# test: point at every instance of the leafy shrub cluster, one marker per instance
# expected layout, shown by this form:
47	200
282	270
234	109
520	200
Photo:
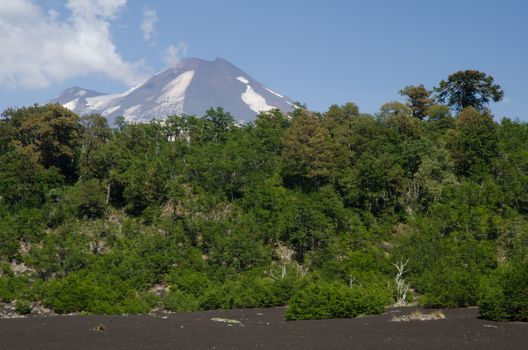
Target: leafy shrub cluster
23	307
507	298
334	300
99	294
195	291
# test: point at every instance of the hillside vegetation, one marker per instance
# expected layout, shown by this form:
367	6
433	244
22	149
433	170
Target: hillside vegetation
319	209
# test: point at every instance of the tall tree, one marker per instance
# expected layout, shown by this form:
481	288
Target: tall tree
96	134
475	142
398	116
220	122
469	88
418	99
305	153
50	134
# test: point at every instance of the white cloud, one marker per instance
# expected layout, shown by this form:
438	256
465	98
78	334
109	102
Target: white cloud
174	54
147	25
95	8
40	48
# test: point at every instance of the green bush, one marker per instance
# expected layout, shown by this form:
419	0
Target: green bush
90	199
332	300
188	281
94	293
9	243
450	286
240	292
283	289
23	307
30	224
7	292
180	301
10	287
509	300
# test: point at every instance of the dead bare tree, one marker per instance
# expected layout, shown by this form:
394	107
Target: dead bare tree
351	281
281	271
302	270
401	287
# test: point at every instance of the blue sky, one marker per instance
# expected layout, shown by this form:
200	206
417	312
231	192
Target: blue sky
316	52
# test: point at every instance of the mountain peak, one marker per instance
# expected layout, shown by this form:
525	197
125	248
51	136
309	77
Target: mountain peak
191	87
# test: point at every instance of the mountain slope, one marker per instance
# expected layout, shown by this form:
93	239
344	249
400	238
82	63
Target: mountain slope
190	88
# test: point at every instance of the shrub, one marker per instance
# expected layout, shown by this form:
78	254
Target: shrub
30	224
23	307
242	292
189	281
90	199
333	300
11	287
452	286
9	244
180	301
93	293
6	289
284	289
508	301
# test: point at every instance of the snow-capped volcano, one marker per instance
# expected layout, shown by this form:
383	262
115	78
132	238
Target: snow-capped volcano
190	88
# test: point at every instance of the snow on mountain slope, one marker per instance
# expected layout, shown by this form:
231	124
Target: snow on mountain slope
255	101
191	88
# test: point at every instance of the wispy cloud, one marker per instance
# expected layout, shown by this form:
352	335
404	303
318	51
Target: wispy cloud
173	55
150	18
41	48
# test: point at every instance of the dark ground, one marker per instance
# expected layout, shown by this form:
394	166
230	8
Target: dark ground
261	329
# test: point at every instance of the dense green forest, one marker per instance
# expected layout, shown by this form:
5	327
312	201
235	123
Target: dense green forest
318	211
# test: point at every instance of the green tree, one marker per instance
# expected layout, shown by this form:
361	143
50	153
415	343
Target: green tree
50	134
398	116
469	88
418	99
270	129
341	122
440	117
475	142
23	181
219	123
90	198
96	134
306	154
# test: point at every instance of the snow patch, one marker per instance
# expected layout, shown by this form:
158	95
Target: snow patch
81	93
174	92
104	102
111	110
100	102
133	88
71	105
256	102
130	111
274	93
243	80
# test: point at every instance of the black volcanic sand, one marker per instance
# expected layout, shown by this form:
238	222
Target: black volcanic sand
261	329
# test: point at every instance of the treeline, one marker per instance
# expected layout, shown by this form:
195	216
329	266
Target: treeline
306	209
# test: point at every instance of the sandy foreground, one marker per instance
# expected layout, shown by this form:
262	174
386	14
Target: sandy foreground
261	329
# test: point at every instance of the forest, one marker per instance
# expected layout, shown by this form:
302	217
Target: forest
334	214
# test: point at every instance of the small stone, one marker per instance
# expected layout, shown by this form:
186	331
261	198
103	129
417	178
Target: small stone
100	328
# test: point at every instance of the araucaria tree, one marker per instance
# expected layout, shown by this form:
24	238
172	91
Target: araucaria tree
469	88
